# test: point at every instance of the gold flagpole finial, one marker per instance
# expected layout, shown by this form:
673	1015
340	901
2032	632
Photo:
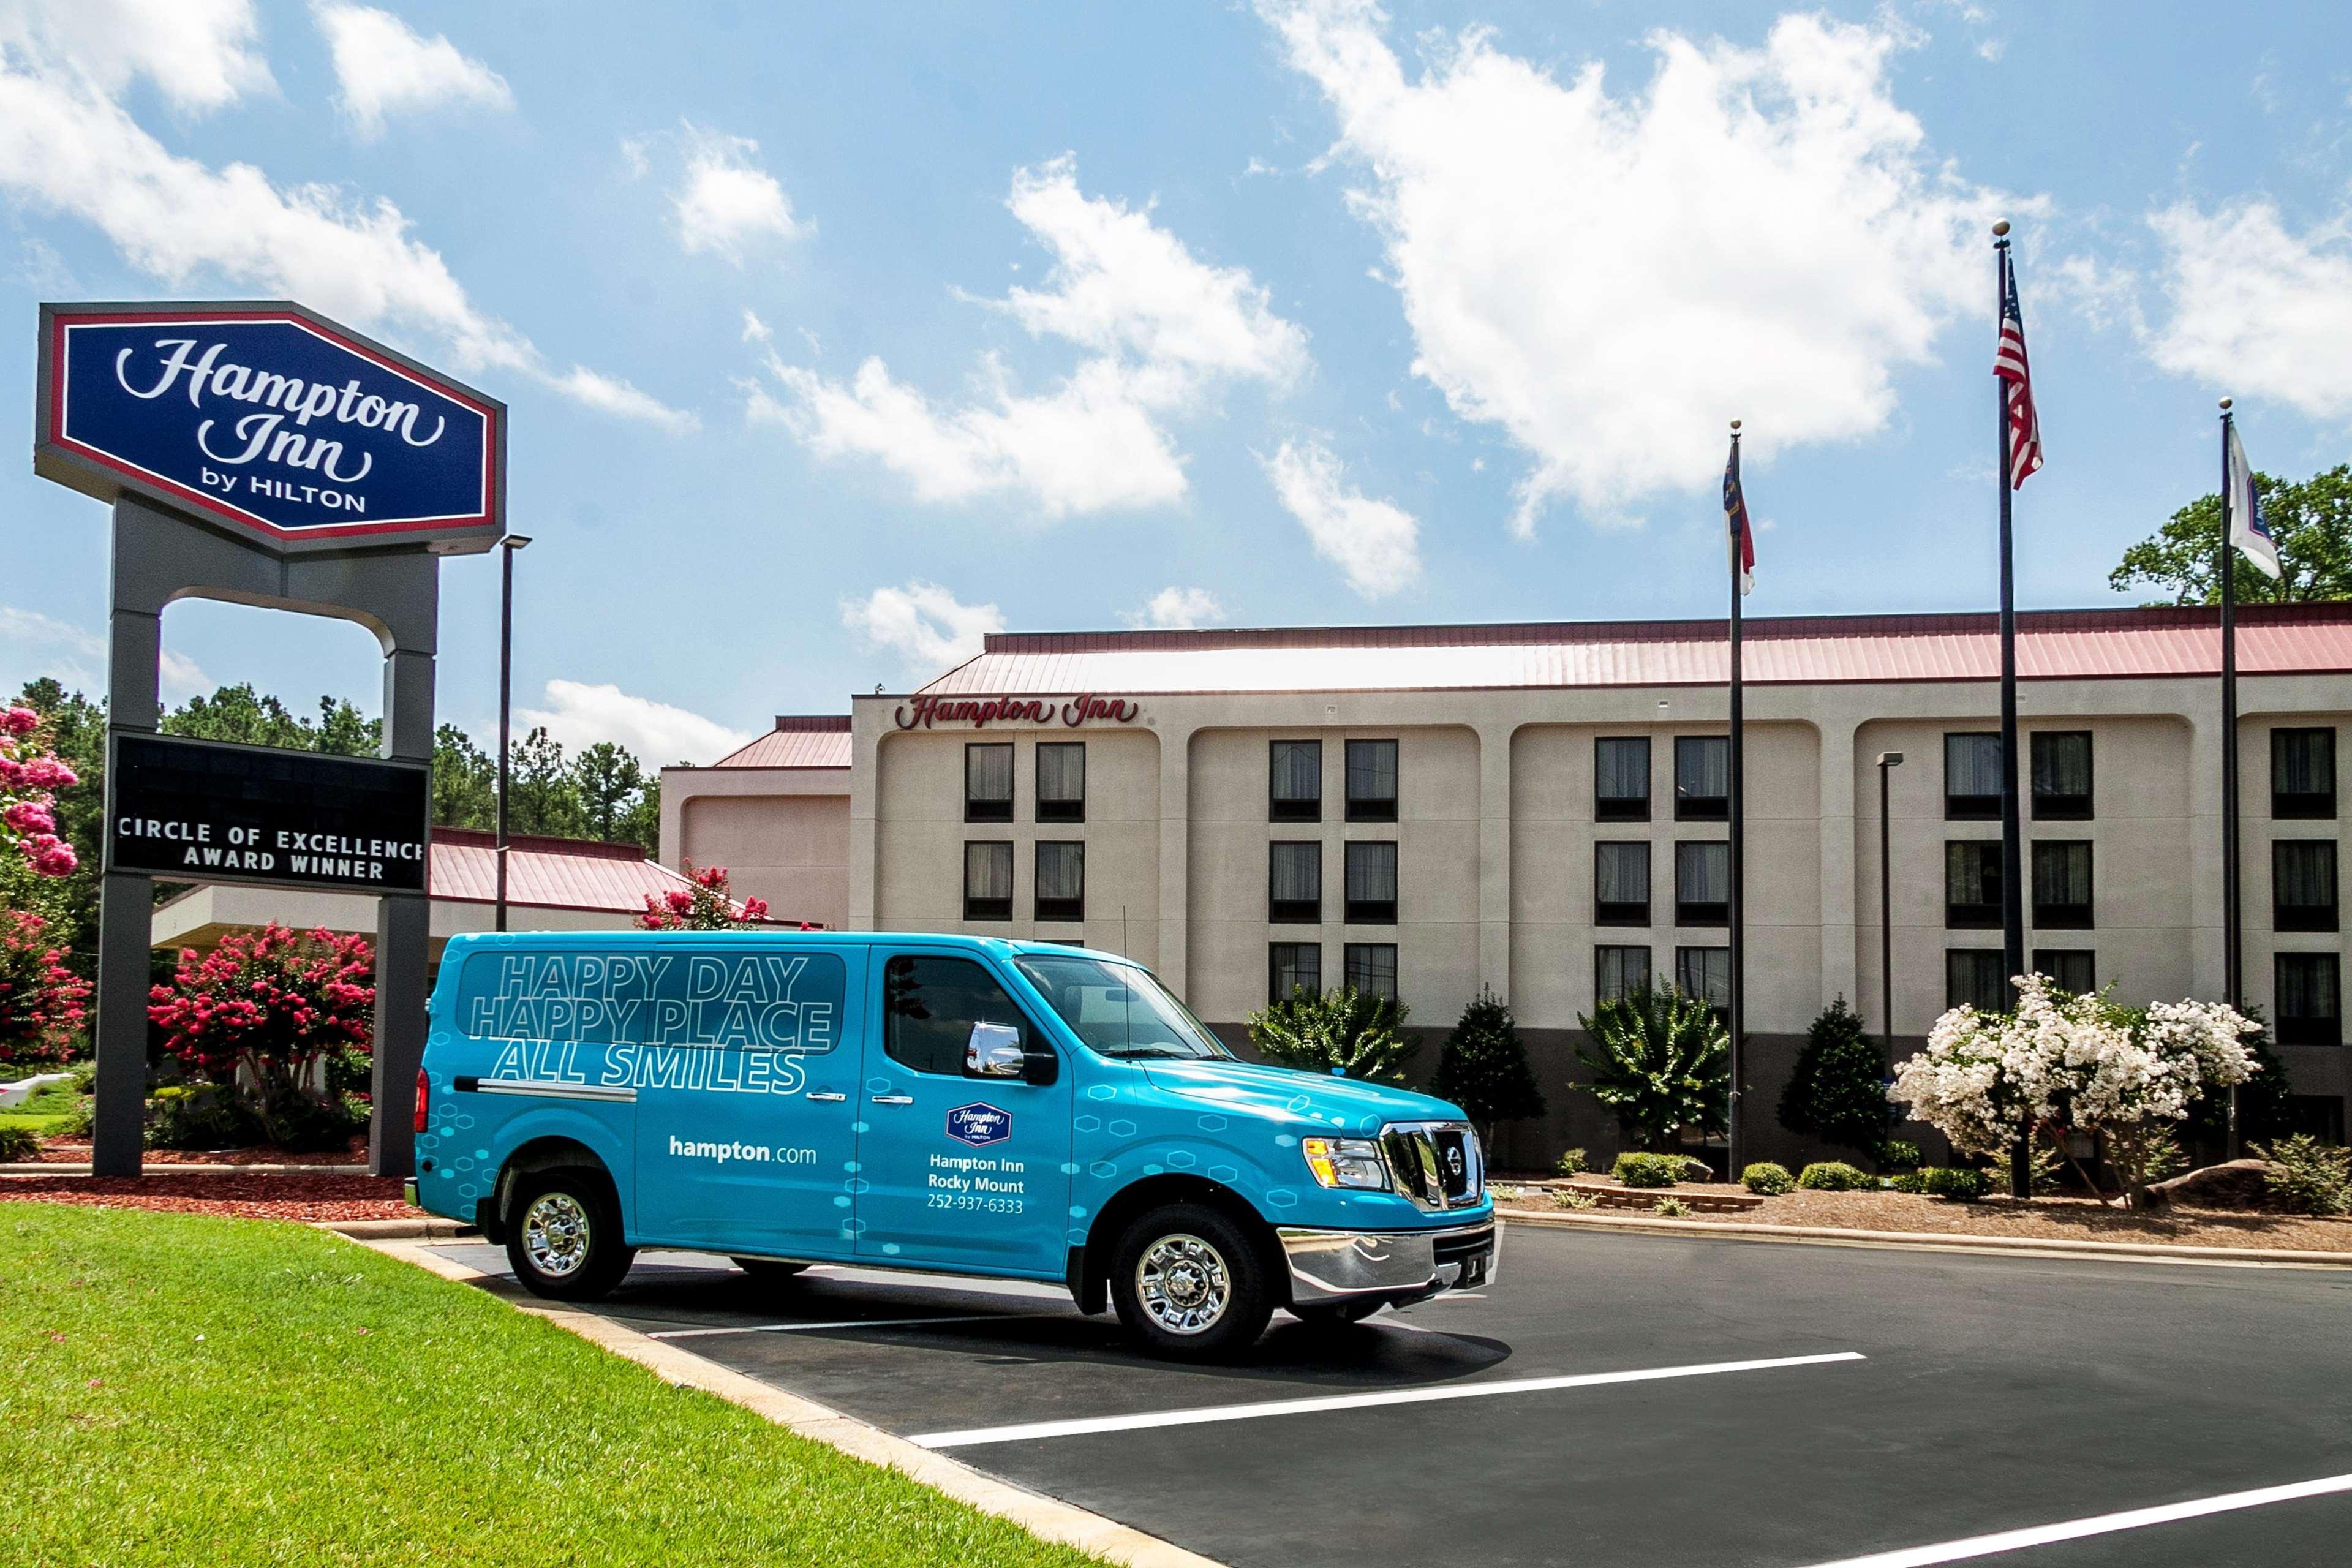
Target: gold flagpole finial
2225	405
1735	427
2001	228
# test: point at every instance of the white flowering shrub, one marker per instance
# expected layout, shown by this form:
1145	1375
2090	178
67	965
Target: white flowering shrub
2074	1063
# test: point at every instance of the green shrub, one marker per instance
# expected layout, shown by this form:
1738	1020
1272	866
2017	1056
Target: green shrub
1837	1092
1572	1163
1574	1200
2307	1176
1672	1208
1835	1177
1484	1068
1353	1031
18	1144
199	1116
1634	1169
1767	1178
84	1078
1956	1183
78	1121
1896	1155
1660	1060
1914	1182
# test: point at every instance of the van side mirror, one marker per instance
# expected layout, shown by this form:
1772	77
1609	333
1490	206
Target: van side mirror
994	1050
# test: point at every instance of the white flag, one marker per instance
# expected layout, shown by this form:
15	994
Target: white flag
2249	531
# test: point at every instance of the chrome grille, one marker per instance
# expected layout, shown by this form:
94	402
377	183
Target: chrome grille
1438	1165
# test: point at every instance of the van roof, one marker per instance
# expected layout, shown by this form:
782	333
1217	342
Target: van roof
1002	947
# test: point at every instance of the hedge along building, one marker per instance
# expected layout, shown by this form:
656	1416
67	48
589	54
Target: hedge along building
1539	809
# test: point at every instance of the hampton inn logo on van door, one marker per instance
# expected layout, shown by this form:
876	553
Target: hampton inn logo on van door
978	1125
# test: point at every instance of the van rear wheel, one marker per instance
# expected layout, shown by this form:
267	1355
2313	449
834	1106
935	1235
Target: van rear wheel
1189	1284
564	1239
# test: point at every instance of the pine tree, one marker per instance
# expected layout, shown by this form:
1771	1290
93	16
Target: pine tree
1484	1069
1838	1092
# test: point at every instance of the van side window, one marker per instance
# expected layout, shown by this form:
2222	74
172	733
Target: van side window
930	1005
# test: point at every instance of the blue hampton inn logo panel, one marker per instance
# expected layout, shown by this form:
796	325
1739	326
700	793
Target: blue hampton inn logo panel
980	1125
279	425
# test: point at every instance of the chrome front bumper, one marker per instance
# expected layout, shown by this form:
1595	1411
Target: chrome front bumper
1327	1267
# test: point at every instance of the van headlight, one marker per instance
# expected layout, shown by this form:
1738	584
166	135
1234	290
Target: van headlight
1345	1162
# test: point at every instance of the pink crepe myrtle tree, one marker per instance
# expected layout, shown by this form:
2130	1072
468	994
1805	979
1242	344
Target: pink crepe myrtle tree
44	1006
28	775
705	904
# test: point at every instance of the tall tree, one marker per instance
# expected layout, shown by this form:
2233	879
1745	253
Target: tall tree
341	731
242	715
543	796
465	781
609	781
2311	521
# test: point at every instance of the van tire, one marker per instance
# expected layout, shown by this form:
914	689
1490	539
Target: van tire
768	1270
1187	1262
564	1234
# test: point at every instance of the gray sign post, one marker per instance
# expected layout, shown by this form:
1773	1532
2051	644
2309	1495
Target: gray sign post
262	455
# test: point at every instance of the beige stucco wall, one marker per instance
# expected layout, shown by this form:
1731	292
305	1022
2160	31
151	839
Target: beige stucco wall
781	832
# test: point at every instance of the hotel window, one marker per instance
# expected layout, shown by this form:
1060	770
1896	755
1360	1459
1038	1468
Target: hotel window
988	881
2302	884
2310	999
1619	971
1295	883
2075	969
1620	884
1292	967
987	783
1620	778
1295	782
1971	884
2060	762
1704	972
1702	884
1972	978
2303	774
2062	885
2320	1115
1062	780
1972	778
1372	968
1372	884
1372	780
1061	881
1702	778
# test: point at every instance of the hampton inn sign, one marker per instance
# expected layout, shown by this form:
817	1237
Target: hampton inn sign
926	712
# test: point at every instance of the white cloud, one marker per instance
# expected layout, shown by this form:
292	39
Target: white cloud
615	396
67	147
2256	309
578	714
1375	543
37	645
199	53
1759	232
725	199
386	67
1176	609
1161	329
923	623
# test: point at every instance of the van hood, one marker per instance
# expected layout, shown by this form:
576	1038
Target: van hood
1285	1094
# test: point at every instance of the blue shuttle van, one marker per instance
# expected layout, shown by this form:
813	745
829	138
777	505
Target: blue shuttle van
952	1104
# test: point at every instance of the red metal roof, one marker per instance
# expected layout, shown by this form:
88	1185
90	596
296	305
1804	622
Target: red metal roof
2052	645
547	873
798	741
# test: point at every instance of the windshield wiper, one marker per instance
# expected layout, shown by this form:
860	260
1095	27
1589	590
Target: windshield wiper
1159	1051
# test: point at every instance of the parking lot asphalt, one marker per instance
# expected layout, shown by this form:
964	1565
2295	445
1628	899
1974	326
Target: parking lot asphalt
1970	1396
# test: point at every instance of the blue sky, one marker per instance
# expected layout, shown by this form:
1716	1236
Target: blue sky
834	335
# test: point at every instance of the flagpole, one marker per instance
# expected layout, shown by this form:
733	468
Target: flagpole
1734	1132
2012	848
2232	910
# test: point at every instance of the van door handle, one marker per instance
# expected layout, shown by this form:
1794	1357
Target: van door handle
826	1095
894	1100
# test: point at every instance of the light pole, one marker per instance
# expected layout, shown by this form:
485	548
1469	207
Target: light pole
1888	763
511	544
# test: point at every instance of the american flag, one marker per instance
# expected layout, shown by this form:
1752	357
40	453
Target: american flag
2009	365
1735	513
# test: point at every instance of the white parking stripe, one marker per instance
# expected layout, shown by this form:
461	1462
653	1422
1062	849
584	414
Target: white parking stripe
852	1323
1200	1414
2102	1524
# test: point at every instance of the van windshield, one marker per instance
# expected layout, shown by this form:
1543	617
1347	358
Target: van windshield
1121	1010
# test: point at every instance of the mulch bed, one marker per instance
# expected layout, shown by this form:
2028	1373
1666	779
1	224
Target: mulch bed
2046	1219
59	1151
295	1198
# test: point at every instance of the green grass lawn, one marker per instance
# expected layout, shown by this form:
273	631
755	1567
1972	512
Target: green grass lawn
46	1111
179	1389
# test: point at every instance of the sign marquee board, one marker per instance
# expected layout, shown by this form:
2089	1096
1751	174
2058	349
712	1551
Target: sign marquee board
208	811
269	422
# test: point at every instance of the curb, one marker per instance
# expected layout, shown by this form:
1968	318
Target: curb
1940	1241
431	1228
1049	1519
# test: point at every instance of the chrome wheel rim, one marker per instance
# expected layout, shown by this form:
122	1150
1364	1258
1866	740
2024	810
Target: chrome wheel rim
555	1235
1183	1284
